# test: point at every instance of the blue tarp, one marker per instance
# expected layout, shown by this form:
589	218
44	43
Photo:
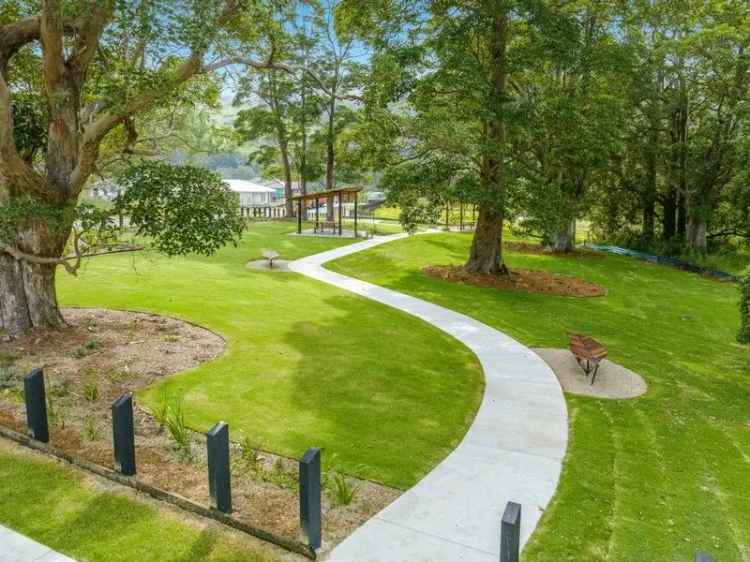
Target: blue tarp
664	260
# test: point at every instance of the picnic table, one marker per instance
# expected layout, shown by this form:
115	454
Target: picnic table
588	352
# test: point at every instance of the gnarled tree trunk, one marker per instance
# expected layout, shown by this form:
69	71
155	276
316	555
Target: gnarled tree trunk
28	298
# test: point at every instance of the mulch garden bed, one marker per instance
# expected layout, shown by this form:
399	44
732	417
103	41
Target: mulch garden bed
103	354
528	248
538	282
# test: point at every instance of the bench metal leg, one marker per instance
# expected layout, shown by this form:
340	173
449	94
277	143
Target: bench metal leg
593	375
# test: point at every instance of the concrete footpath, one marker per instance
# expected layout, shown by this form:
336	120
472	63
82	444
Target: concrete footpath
512	452
14	547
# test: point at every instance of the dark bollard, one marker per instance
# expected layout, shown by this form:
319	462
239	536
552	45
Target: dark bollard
219	486
36	406
703	557
123	434
309	496
510	533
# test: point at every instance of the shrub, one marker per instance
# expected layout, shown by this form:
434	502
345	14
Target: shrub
91	391
175	422
342	490
90	429
744	334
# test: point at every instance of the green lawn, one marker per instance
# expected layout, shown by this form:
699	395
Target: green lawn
651	479
306	364
52	504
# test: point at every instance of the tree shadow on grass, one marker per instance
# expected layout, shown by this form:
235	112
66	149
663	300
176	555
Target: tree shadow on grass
388	393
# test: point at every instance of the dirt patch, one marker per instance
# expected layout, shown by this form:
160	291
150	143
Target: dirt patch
528	248
103	354
539	282
613	381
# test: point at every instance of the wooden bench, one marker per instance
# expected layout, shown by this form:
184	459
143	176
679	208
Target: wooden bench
588	352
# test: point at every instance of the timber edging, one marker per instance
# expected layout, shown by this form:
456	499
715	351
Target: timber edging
159	494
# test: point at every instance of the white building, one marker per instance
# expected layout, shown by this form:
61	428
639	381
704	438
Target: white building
252	194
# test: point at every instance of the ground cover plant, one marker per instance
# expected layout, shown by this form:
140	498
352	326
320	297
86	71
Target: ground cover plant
305	364
650	479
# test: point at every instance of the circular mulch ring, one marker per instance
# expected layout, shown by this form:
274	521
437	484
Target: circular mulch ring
613	381
138	346
278	265
538	282
528	248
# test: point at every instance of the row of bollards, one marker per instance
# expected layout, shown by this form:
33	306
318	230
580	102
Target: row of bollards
217	444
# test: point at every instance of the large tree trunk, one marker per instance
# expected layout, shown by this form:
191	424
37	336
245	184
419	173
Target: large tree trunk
486	254
28	298
486	248
564	240
697	233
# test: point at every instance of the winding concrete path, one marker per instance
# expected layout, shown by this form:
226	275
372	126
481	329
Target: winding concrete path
512	452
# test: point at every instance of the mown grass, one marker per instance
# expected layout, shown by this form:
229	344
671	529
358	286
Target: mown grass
306	364
651	479
54	505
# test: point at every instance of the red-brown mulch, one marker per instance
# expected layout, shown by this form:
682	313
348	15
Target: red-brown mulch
528	248
538	282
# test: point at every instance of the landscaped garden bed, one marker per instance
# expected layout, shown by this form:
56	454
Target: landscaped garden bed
104	354
529	281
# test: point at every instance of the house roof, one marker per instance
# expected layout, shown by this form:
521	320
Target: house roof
244	186
322	194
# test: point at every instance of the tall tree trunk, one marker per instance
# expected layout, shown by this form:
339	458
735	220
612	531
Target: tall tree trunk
649	220
669	214
681	214
486	249
564	240
330	165
287	168
697	227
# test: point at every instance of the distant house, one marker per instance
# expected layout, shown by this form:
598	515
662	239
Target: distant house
375	197
252	194
278	185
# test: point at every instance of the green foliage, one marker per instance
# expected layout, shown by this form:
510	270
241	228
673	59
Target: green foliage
174	420
91	391
342	489
744	334
29	124
90	429
183	209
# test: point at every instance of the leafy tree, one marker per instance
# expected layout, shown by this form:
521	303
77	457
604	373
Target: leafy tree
184	209
450	63
98	67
